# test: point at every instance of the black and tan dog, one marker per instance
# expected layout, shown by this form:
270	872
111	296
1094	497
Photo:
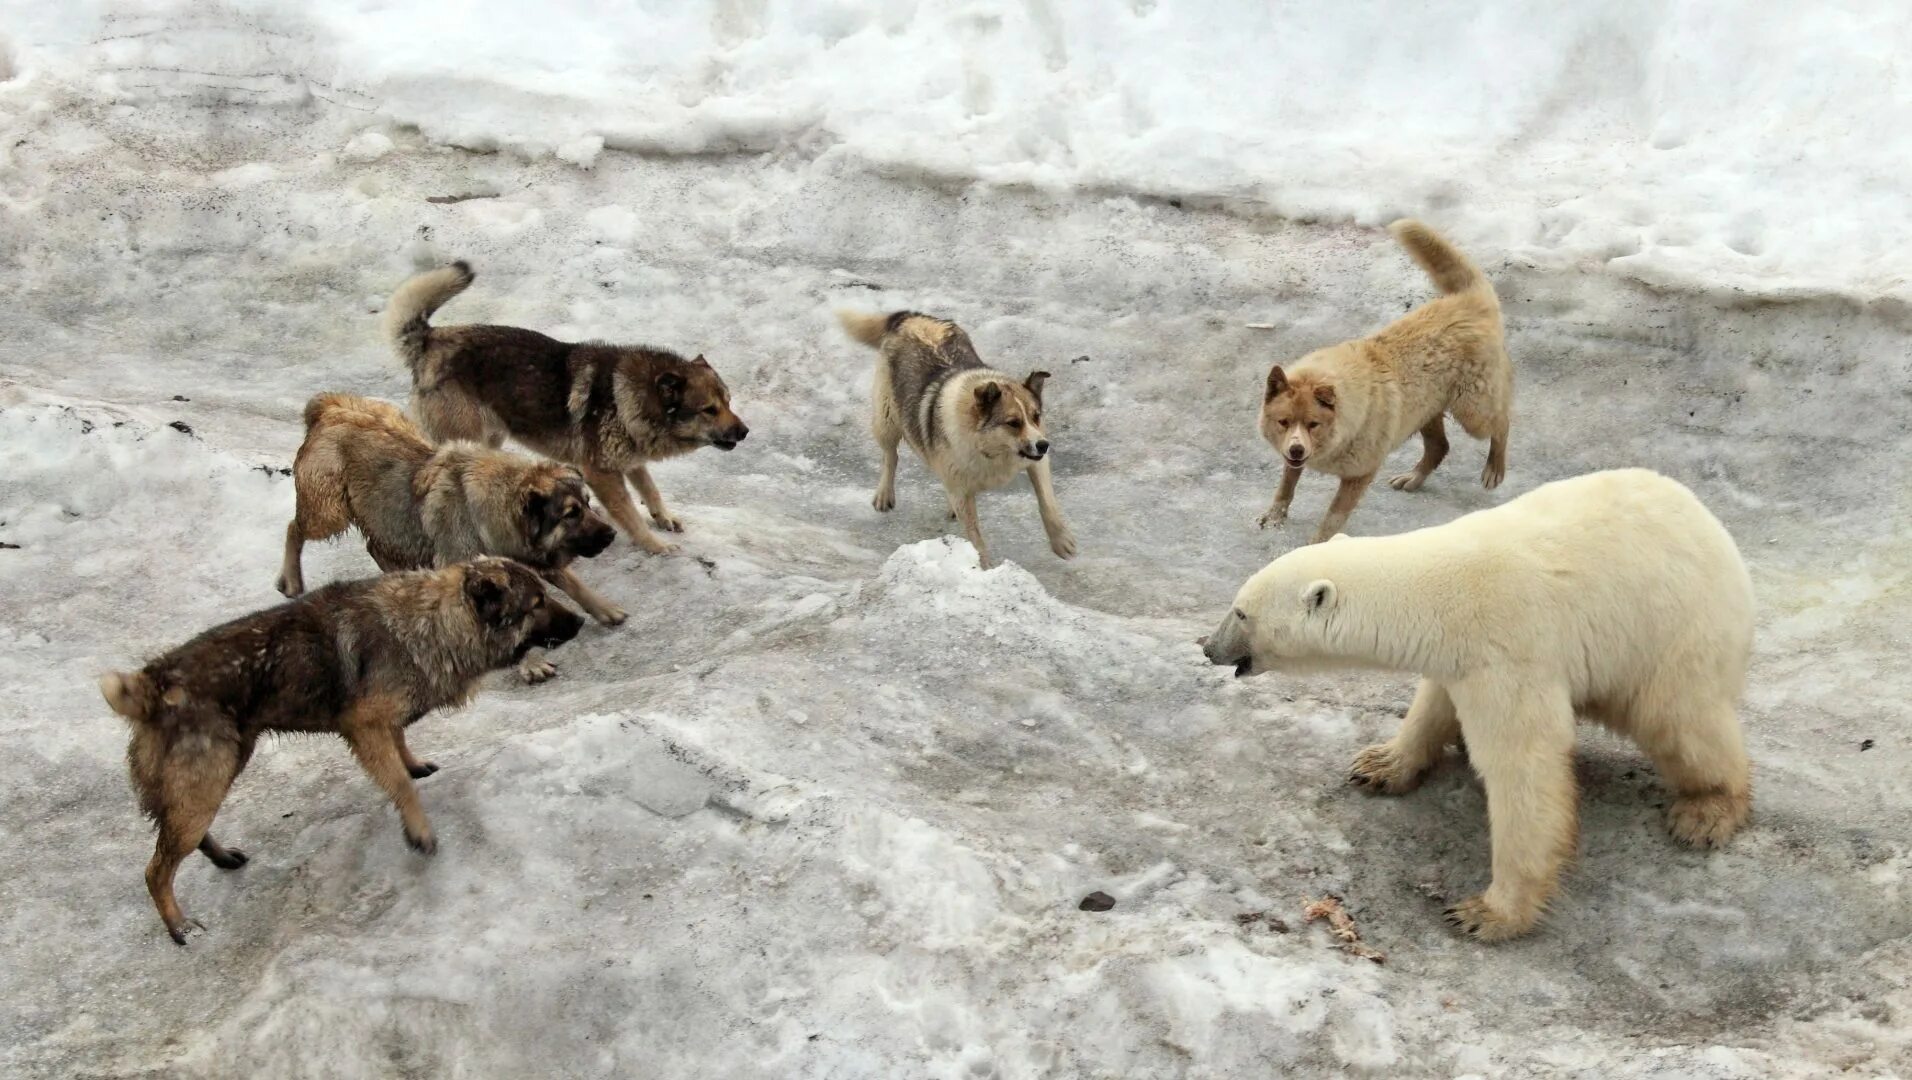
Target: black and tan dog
975	427
608	409
359	659
364	465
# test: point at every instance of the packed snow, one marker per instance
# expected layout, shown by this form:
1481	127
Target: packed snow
828	804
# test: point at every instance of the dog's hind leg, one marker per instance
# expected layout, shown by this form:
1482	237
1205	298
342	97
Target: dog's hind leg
418	769
616	498
291	573
654	500
371	729
223	857
888	434
192	783
1433	450
1061	539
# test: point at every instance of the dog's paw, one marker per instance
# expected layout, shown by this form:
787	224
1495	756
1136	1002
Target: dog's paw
668	522
884	501
180	932
1273	519
425	768
1491	475
655	546
231	859
1407	481
1709	820
1379	769
1481	921
289	588
612	616
534	672
425	842
1063	543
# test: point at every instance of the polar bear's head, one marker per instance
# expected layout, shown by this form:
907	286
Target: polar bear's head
1291	616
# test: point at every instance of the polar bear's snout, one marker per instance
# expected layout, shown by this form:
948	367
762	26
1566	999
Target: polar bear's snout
1228	645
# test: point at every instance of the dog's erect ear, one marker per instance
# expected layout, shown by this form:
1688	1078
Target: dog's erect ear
670	388
987	395
1318	596
1324	396
700	361
1277	382
487	595
1034	382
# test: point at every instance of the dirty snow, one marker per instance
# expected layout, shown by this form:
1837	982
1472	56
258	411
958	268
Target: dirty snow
828	804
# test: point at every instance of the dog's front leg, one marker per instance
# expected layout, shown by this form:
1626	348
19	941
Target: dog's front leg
616	498
1061	539
965	506
1346	498
371	729
1278	510
594	605
654	500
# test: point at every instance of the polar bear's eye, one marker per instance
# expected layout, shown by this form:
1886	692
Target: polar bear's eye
1240	614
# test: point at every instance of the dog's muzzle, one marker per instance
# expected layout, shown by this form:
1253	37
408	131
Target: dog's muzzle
590	543
559	626
1035	451
730	437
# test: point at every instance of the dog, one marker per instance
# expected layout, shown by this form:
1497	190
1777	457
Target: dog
974	426
1343	409
360	659
610	410
364	465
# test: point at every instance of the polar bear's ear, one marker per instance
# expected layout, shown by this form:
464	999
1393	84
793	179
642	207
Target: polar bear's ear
1337	536
1318	596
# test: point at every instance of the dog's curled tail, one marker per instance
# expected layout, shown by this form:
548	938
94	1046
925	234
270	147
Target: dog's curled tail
130	693
408	316
866	327
319	404
1451	271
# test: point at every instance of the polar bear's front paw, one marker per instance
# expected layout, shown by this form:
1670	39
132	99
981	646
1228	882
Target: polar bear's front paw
1380	769
1707	820
1480	920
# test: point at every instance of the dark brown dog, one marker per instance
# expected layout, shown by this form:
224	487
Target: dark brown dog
608	409
364	465
360	659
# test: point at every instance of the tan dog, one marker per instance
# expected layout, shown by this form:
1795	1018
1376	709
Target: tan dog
974	426
359	659
363	465
1343	409
608	409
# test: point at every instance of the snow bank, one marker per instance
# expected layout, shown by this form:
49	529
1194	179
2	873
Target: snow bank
1755	150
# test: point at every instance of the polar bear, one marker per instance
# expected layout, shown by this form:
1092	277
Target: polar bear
1615	595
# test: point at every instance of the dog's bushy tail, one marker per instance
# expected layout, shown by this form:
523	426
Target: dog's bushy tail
1451	271
317	406
130	693
408	316
866	327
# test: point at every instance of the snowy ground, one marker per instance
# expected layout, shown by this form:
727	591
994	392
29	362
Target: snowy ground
826	805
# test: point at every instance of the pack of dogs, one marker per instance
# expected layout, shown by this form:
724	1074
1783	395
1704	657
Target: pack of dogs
467	535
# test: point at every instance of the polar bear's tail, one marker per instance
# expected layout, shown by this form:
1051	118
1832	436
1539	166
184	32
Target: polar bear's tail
1451	271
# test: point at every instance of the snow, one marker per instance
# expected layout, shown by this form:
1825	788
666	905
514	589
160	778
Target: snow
827	804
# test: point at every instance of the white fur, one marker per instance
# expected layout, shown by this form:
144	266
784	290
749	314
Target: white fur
1616	595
